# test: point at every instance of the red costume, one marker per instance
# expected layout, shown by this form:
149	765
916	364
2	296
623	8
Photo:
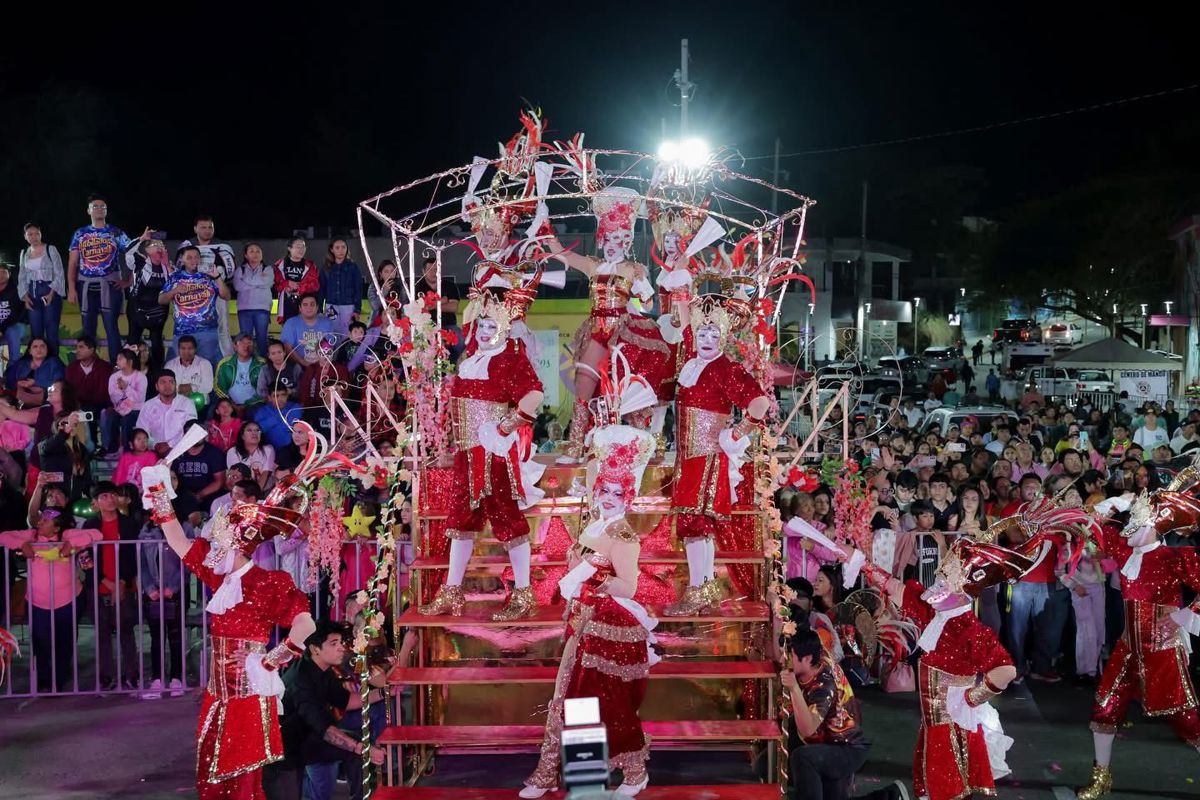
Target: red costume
1150	662
950	762
607	652
238	731
702	495
491	489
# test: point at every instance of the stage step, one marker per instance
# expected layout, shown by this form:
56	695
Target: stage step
664	670
660	732
733	791
660	557
476	614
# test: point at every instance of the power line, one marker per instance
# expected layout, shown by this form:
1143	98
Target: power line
987	127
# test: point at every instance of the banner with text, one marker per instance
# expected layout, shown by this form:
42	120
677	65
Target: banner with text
1148	383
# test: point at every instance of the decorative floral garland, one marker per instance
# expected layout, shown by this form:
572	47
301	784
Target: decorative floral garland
327	531
852	507
423	349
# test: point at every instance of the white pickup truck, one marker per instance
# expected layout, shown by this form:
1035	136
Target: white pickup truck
1060	382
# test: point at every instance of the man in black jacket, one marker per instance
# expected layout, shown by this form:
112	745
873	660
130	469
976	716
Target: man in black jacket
117	573
313	702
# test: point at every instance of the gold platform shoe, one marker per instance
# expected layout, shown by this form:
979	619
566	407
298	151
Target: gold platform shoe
448	599
1100	786
712	592
693	601
521	604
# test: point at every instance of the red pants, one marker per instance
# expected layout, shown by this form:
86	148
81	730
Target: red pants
1120	684
696	526
499	508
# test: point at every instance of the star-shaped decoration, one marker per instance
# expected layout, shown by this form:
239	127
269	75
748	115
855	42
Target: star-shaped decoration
358	525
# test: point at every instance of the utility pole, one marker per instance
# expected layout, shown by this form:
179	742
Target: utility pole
685	87
775	178
864	278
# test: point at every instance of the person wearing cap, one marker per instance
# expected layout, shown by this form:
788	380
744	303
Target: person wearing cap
237	375
117	579
278	414
165	415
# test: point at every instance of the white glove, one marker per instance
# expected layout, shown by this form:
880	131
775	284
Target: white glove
157	475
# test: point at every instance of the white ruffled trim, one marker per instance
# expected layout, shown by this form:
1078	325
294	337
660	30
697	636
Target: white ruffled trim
852	568
156	475
984	716
671	333
1187	620
475	368
1105	508
262	681
531	473
933	631
570	583
674	279
229	593
642	290
1133	565
691	371
735	450
495	442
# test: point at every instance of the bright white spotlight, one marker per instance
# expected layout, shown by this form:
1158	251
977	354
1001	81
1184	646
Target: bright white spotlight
693	152
668	151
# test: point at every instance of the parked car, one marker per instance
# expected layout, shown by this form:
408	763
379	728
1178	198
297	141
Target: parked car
947	359
1050	381
1063	333
1017	330
910	369
945	417
1093	380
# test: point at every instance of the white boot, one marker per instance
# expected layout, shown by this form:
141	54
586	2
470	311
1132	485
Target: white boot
631	789
534	792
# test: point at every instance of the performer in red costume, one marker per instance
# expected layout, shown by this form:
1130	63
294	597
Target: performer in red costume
238	731
495	392
710	453
1150	662
608	651
615	279
960	744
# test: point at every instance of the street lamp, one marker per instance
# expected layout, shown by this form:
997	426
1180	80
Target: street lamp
916	309
687	159
1170	338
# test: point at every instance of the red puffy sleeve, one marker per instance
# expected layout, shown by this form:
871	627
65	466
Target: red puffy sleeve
913	606
287	600
986	651
1108	537
194	561
740	386
519	377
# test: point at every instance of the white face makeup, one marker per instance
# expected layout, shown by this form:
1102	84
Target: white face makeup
708	342
617	245
609	499
941	597
487	333
671	245
1143	536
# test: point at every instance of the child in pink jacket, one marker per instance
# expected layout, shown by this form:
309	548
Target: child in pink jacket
53	586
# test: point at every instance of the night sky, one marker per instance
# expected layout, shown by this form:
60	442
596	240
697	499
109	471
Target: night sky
287	118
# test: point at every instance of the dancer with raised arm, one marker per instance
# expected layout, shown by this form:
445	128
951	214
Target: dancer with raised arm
709	450
238	732
1150	661
608	651
615	281
495	393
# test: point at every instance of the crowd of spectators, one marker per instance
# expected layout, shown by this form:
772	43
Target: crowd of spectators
78	426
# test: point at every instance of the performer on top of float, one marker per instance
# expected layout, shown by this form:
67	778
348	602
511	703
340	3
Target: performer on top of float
495	392
710	452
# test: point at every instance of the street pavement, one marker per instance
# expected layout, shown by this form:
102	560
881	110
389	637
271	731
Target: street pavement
94	748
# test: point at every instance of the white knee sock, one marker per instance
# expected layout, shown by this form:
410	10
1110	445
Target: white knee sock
697	553
460	556
1103	743
710	557
658	416
519	558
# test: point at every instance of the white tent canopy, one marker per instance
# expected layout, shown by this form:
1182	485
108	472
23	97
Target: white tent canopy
1113	353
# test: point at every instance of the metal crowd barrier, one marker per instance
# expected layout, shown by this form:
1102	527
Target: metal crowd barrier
140	629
